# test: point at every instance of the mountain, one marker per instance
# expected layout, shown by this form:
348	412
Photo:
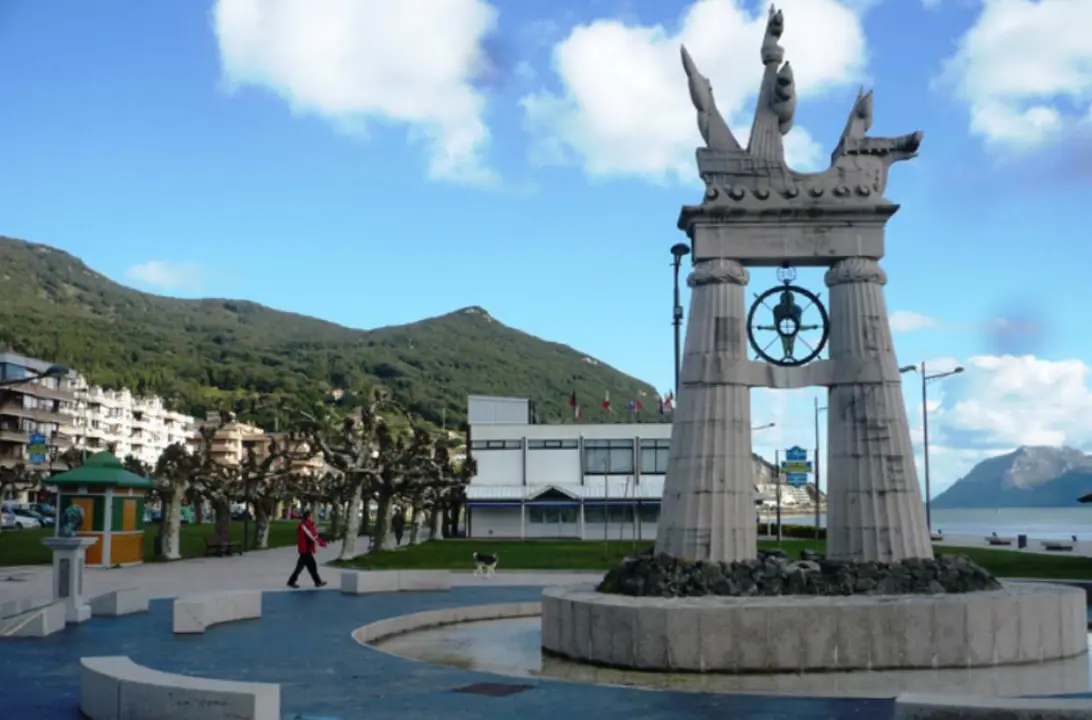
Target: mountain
1028	477
207	354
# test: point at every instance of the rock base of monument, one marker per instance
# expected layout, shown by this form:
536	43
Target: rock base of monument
774	573
1021	623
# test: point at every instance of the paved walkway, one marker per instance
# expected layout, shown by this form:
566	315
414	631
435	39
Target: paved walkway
303	641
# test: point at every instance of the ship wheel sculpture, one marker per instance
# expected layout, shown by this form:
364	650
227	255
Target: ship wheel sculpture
790	330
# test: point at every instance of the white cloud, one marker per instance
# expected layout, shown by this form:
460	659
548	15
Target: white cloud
625	109
163	275
1024	69
352	61
908	321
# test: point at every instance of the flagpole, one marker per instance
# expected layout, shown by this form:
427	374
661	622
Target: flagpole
777	466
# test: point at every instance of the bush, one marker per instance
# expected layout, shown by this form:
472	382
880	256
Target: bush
803	532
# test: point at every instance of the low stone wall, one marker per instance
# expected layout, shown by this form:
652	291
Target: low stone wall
34	622
195	613
949	707
119	602
116	688
363	582
1023	622
389	627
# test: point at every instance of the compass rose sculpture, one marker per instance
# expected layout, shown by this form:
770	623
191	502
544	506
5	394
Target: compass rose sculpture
792	341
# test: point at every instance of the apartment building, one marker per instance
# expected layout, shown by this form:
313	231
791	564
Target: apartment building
139	426
40	406
234	439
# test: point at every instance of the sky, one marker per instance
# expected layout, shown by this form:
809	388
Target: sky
375	163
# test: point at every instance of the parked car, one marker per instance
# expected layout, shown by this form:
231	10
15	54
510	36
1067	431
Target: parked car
13	520
44	509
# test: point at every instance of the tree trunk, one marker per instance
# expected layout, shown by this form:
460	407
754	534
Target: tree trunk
435	519
335	518
382	521
199	511
222	510
414	526
262	510
171	523
366	518
352	523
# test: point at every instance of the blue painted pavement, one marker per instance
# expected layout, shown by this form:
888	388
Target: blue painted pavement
303	642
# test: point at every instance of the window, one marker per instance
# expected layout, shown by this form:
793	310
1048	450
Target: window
541	515
649	512
552	444
608	457
496	444
654	455
614	514
12	372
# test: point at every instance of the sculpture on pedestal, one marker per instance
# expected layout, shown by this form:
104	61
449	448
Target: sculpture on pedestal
70	521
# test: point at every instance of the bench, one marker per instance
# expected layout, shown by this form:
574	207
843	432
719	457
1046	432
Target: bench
114	687
34	622
194	613
363	582
994	540
915	706
220	546
119	602
1056	546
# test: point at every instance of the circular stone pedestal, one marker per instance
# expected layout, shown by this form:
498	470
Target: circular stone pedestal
1021	623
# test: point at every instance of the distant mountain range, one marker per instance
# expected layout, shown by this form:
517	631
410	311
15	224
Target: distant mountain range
1028	477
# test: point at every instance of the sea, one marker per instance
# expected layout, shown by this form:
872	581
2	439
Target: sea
1037	523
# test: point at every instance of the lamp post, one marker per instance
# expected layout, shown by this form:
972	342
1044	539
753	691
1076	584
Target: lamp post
818	497
926	378
767	426
51	371
678	252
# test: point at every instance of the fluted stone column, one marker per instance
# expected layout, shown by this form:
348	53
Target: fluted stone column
708	503
875	509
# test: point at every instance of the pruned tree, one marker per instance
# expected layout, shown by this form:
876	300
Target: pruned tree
214	480
350	445
71	457
16	479
266	479
447	491
406	466
172	474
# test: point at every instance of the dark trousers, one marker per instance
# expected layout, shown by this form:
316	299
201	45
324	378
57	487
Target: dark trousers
307	560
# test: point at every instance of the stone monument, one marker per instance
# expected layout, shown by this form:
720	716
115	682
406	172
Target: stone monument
757	212
68	564
707	600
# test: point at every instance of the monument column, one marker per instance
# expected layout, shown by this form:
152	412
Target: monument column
875	505
708	502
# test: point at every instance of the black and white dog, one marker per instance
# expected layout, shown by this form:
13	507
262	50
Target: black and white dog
485	565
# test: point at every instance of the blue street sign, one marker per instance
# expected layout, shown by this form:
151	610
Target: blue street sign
37	449
797	479
796	454
796	461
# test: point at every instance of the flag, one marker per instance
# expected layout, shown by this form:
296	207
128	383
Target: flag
660	401
574	405
606	401
631	406
669	401
638	406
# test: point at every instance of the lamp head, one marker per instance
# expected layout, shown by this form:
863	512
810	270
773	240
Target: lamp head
56	371
680	250
908	368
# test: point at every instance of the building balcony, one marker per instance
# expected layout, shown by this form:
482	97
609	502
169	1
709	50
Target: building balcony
14	436
16	409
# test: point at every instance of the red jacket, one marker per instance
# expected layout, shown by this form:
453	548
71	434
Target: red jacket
307	536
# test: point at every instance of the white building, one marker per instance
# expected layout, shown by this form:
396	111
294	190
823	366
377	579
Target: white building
562	481
137	426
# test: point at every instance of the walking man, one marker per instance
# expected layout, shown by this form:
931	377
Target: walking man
306	538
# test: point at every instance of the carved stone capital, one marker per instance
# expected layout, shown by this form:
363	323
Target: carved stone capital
721	271
856	270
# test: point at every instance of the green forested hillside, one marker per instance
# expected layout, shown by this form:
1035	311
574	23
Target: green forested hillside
207	354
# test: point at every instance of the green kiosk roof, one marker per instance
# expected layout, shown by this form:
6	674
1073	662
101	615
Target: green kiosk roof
100	469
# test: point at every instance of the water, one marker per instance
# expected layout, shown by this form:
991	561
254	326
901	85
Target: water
1037	523
513	647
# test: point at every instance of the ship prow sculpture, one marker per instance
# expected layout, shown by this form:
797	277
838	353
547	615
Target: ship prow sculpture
759	175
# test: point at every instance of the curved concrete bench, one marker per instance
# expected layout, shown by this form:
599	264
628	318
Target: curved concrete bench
194	613
912	706
119	602
1021	623
115	688
363	582
389	627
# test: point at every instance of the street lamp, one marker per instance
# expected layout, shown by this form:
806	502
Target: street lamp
51	371
926	378
767	426
678	252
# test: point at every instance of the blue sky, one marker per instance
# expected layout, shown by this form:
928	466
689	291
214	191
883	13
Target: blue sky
374	163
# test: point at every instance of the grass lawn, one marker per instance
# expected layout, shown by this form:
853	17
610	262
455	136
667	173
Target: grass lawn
24	547
597	555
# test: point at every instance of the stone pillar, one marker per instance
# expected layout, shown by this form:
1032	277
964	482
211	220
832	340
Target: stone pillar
68	566
875	509
708	502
